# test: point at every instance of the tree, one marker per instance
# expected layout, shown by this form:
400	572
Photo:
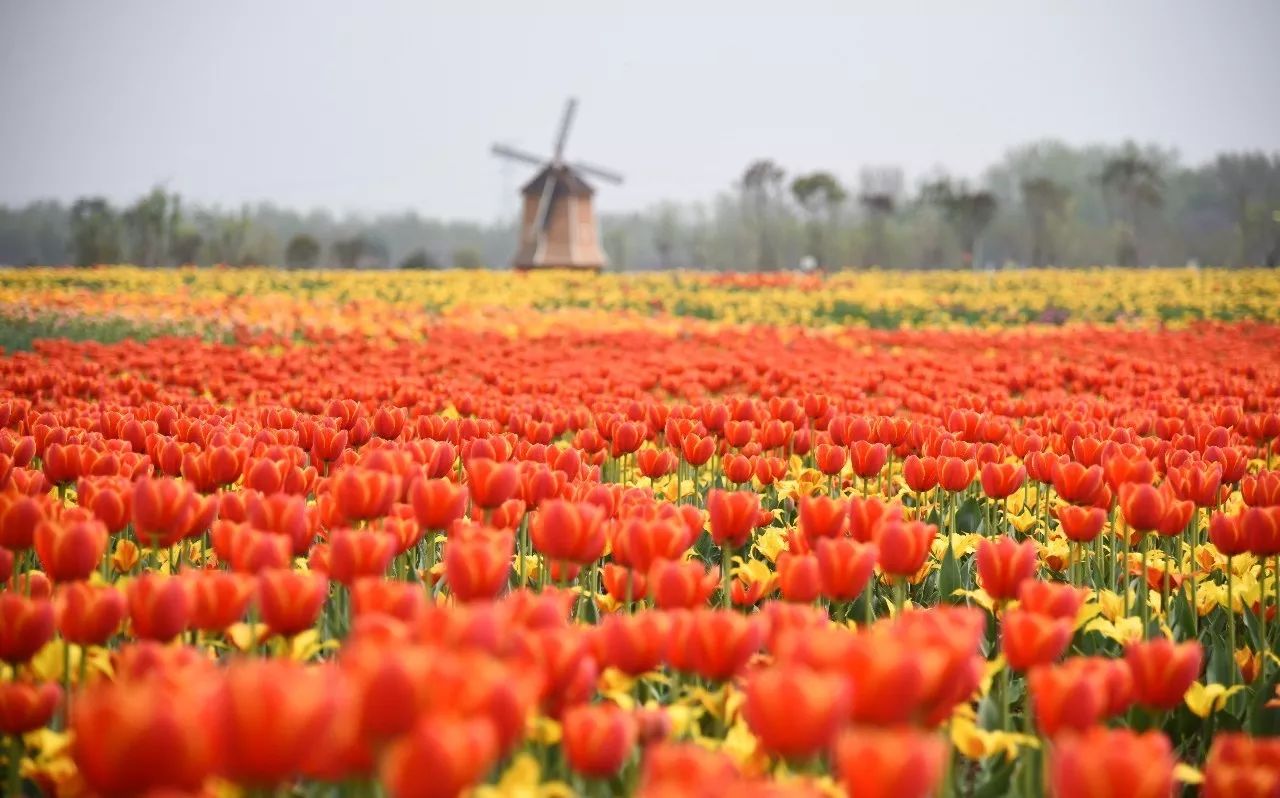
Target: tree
419	259
467	258
880	189
1135	186
185	247
95	232
150	224
666	232
359	252
302	252
761	189
820	195
227	235
1245	180
968	212
1045	202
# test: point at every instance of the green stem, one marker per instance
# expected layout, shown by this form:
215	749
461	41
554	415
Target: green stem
1231	628
1004	698
726	575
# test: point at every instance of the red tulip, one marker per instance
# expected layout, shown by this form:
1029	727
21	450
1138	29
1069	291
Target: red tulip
844	567
1029	638
270	714
1240	766
598	738
26	706
26	624
477	564
799	576
794	711
290	601
1004	564
218	598
904	546
461	751
634	644
1000	480
717	643
680	584
1163	671
88	615
491	482
354	554
138	736
1111	763
889	763
1080	524
733	516
568	531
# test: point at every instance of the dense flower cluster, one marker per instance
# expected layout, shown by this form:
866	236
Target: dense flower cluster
667	559
406	305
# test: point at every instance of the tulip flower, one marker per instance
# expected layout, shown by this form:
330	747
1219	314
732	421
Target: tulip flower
1111	763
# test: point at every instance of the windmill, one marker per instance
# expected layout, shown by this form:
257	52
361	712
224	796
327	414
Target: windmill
558	222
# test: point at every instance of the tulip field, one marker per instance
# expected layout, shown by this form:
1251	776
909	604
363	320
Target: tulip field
872	534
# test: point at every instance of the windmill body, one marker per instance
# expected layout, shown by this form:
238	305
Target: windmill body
558	226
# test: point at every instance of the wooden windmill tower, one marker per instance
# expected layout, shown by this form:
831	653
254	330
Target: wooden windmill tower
558	228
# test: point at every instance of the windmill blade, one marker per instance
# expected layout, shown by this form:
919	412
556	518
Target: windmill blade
569	109
597	171
517	155
544	213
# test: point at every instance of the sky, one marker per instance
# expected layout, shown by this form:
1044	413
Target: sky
378	106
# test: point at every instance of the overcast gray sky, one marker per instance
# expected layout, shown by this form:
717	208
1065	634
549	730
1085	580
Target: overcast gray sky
379	106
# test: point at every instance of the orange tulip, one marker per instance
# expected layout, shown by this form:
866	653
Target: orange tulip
1029	638
719	642
461	751
1262	529
904	546
108	498
134	737
844	567
1078	694
1080	524
70	547
920	473
680	584
1004	564
794	711
956	473
218	598
1076	483
1053	599
1240	766
26	706
1228	534
26	624
269	714
358	553
490	482
889	763
19	516
477	564
1000	480
733	516
634	644
88	615
1163	671
1143	505
290	601
823	517
867	515
569	531
598	738
1111	763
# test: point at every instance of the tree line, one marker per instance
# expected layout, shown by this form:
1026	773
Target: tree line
1046	203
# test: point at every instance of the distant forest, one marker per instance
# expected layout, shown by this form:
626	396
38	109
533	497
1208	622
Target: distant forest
1046	203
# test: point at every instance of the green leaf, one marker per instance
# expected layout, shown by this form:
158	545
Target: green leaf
949	579
969	516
